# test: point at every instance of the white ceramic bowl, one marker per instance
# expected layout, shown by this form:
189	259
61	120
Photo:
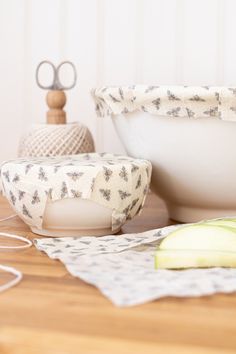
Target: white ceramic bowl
194	161
75	217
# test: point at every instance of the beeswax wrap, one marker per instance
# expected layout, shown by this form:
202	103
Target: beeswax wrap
167	101
117	182
122	268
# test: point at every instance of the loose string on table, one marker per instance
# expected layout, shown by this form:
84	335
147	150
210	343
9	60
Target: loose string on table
11	270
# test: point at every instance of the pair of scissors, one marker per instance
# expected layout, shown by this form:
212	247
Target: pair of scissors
56	83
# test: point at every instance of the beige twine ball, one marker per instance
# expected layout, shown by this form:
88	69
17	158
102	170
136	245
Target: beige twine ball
56	139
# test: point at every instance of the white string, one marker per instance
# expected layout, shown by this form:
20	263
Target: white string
16	237
13	282
8	217
17	273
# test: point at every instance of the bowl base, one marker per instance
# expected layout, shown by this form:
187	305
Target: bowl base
193	214
73	233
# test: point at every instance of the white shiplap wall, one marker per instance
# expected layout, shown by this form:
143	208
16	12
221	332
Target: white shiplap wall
111	42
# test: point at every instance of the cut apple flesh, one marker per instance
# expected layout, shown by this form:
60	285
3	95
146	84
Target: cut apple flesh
201	237
204	244
177	259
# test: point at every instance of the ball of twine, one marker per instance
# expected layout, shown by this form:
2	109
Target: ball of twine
56	139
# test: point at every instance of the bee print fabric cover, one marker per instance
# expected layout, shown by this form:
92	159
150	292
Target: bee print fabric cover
168	101
120	183
122	268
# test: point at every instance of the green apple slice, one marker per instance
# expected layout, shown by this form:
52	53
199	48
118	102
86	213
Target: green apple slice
177	259
222	222
201	237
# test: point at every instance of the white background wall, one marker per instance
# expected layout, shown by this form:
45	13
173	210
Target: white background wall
111	42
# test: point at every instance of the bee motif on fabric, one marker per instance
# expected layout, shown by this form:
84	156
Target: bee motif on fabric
21	195
123	194
76	194
134	168
212	112
103	154
26	212
75	175
126	211
86	157
217	95
151	88
7	176
172	97
12	197
157	103
64	190
56	168
16	178
190	113
106	193
28	167
174	112
123	174
144	109
138	182
35	198
125	110
107	173
196	98
42	175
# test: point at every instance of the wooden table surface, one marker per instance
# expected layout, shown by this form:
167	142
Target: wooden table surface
50	312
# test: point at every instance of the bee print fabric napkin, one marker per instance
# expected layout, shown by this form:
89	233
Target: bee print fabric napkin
167	101
117	182
122	268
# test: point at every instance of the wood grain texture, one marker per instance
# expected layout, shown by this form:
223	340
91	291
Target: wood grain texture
50	312
56	100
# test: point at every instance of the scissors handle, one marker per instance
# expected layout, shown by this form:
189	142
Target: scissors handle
56	83
62	87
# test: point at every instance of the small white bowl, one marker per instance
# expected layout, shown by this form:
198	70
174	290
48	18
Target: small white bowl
78	195
75	217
